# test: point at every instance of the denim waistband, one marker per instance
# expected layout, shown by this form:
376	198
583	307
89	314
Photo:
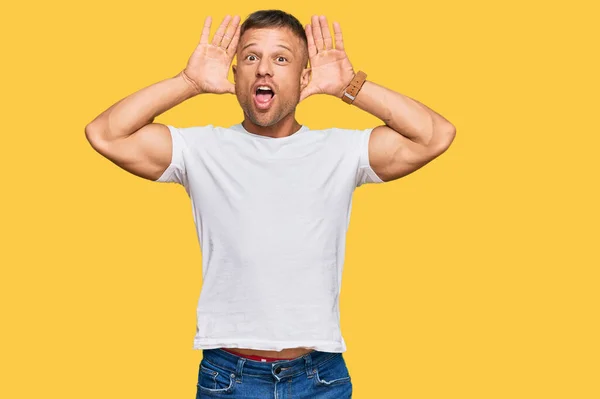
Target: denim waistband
283	368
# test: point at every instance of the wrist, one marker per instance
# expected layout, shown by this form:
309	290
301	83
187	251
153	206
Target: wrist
347	81
193	88
351	91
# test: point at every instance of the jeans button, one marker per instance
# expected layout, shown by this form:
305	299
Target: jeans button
278	370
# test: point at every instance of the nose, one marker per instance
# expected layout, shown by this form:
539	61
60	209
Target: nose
264	68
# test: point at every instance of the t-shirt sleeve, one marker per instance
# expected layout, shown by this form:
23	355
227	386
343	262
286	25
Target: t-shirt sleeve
364	174
176	171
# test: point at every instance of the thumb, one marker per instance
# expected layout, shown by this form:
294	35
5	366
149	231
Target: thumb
306	92
230	88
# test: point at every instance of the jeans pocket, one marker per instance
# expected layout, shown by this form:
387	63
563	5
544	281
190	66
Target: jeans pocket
215	379
332	372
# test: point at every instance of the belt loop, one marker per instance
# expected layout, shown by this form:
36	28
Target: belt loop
308	361
239	367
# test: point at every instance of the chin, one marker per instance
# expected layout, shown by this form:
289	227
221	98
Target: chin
262	119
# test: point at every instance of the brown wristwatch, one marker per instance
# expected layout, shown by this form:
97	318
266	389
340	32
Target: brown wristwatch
354	87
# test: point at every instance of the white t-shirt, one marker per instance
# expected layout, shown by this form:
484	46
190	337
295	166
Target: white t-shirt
271	216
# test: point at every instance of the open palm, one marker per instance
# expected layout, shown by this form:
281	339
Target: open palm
331	70
208	66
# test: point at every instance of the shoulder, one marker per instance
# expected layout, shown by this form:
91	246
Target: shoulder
347	131
190	135
352	137
192	130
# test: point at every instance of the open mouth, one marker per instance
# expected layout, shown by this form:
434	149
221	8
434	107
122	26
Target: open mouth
263	96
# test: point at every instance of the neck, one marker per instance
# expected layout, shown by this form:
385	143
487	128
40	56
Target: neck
285	127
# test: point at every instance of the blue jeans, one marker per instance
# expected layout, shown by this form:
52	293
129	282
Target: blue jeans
316	375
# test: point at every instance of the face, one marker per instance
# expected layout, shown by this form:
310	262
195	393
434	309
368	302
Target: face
272	59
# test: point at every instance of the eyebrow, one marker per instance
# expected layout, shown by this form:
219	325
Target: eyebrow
278	45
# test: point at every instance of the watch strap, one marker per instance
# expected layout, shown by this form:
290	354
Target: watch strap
354	87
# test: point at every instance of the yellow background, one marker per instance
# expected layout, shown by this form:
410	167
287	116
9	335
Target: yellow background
475	277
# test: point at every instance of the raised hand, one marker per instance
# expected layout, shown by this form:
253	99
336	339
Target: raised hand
208	67
331	70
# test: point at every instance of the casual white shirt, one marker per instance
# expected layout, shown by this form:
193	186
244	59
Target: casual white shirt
271	215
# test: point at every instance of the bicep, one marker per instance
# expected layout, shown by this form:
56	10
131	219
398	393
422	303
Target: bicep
146	153
393	156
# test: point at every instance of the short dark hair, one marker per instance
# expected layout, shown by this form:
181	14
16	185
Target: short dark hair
275	19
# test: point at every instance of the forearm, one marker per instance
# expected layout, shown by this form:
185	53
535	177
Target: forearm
140	108
406	116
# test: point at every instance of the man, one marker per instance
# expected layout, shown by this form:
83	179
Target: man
271	197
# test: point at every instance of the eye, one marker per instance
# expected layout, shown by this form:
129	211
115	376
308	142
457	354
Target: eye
250	55
280	58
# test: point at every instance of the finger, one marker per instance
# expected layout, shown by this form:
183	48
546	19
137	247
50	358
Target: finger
228	36
326	34
231	50
206	30
317	35
337	31
221	31
312	49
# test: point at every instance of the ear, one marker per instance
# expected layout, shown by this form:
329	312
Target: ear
305	77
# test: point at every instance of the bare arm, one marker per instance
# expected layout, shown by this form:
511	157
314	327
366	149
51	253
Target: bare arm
413	134
139	109
125	134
